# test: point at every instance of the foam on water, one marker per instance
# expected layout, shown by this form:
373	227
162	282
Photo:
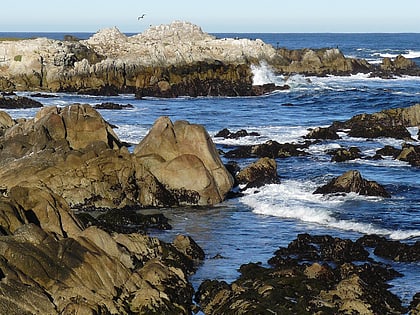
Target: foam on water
294	200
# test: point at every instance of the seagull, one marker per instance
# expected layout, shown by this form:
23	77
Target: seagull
140	17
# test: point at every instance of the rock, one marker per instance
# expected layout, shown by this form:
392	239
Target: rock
394	250
323	133
387	123
319	62
258	174
73	152
352	181
271	149
50	265
309	284
343	154
194	173
389	151
109	105
18	102
189	248
415	305
410	154
125	221
227	134
267	88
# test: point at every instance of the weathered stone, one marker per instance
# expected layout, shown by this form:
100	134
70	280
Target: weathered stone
323	133
352	181
18	102
258	174
343	154
271	149
49	265
194	173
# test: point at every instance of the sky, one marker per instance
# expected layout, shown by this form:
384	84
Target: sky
214	16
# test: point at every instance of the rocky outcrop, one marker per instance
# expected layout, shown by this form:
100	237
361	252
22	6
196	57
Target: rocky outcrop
49	264
195	174
14	102
313	275
75	153
166	61
320	62
387	123
271	149
352	181
343	154
260	173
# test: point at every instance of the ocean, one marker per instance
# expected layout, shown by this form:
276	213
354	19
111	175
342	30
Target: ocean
251	228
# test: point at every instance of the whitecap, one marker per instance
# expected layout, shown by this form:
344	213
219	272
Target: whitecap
294	200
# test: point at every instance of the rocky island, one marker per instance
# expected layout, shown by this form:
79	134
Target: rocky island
167	61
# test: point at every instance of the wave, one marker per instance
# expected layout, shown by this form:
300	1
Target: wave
263	74
411	54
294	200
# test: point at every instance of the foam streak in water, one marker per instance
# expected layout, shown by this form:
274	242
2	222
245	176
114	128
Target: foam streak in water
294	200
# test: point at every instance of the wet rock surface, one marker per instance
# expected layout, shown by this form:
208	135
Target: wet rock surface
14	102
271	149
352	181
313	275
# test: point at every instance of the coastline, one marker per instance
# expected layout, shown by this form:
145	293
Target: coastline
162	106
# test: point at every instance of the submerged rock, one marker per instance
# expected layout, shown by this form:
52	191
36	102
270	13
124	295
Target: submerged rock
352	181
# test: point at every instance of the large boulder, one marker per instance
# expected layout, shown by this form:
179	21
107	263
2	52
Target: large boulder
184	159
352	181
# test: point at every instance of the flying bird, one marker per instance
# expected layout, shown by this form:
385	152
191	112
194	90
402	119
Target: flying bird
141	16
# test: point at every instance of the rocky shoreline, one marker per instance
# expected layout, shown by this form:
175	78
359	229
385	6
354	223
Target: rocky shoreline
172	60
56	256
73	234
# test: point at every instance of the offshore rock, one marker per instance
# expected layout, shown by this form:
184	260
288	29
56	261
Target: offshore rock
271	149
320	62
73	152
166	60
343	154
352	181
258	174
18	102
193	173
313	275
387	123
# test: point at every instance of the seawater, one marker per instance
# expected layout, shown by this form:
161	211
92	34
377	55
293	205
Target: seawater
251	228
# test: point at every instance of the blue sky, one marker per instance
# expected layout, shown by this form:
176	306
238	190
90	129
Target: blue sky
213	15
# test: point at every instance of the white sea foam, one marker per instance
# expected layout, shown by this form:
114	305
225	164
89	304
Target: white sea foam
294	200
263	74
411	54
281	134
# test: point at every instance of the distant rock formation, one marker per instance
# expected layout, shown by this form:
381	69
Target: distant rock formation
166	61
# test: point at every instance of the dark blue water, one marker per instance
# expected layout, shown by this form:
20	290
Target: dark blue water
253	227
